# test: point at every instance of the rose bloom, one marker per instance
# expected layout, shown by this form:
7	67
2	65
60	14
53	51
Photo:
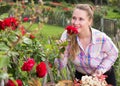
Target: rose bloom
71	30
11	22
41	69
2	25
32	36
25	19
11	83
28	65
19	82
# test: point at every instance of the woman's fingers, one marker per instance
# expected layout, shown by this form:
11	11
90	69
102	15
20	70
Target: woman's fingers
97	73
60	41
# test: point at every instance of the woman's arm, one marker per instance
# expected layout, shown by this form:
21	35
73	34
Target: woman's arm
62	61
111	55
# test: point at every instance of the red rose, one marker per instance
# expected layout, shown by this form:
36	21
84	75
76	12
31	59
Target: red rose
11	22
41	69
71	30
10	83
19	82
7	22
32	36
2	25
28	65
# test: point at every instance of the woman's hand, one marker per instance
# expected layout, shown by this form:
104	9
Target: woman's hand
59	42
61	45
97	73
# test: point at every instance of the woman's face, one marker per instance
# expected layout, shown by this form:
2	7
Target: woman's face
80	20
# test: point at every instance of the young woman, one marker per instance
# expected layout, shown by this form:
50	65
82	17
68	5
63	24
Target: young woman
91	51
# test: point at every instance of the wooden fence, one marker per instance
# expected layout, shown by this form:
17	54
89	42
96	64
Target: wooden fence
110	27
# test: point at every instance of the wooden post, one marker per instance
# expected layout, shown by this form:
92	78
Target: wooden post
115	27
102	24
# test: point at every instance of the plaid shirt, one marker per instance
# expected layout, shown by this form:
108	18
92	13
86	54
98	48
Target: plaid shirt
100	54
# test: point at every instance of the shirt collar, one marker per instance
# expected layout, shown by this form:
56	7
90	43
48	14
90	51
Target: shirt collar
93	36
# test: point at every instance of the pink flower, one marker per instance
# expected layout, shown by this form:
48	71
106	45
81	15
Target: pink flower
28	65
25	19
71	30
41	69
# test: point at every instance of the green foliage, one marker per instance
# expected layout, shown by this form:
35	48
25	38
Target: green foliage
4	61
57	13
112	12
97	19
115	2
117	69
4	8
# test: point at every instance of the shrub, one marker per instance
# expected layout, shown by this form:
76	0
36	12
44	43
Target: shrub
4	9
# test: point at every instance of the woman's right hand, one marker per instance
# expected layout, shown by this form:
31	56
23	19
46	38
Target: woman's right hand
99	74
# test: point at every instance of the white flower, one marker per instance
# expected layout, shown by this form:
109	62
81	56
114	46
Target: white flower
92	81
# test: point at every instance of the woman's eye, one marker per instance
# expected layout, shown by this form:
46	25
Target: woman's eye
73	18
81	19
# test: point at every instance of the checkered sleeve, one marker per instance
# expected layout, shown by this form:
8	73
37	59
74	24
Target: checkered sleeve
111	55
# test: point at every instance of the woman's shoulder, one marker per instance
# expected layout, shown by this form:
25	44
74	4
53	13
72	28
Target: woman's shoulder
97	32
99	35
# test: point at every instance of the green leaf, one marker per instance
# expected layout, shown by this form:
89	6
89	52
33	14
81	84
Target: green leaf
3	47
62	50
48	46
4	61
43	59
12	53
27	40
13	38
4	75
65	43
